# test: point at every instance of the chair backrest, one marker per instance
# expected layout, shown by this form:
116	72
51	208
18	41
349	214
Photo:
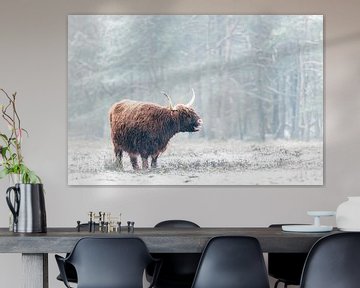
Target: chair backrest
178	269
110	262
232	262
176	224
286	267
333	262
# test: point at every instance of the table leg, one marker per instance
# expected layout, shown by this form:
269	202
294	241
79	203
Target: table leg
35	270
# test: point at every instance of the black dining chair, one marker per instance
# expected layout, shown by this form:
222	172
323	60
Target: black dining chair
333	262
70	271
286	267
232	262
108	263
178	269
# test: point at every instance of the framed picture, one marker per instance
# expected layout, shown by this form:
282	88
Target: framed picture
195	100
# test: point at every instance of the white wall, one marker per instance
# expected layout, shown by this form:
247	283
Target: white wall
33	57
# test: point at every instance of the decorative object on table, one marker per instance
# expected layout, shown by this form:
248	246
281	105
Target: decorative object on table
259	93
101	222
78	227
131	226
27	204
28	208
316	227
348	214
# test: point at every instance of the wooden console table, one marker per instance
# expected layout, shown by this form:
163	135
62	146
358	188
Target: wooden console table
35	247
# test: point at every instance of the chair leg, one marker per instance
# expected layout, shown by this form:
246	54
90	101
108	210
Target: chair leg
278	282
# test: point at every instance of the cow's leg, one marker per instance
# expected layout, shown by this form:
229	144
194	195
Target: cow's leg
145	164
154	160
118	154
134	162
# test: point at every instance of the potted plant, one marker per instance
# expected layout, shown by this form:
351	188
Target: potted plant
27	204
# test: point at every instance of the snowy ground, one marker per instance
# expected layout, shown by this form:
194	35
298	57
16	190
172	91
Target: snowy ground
200	162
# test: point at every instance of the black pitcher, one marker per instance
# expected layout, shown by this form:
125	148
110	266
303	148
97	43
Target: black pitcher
28	208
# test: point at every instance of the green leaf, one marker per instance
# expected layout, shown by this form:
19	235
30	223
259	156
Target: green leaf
13	156
27	133
4	173
25	178
4	137
27	175
15	169
33	177
3	151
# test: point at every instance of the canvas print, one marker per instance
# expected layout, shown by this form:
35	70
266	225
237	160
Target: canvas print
195	100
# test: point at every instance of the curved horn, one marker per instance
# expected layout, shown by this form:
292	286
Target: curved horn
191	102
169	99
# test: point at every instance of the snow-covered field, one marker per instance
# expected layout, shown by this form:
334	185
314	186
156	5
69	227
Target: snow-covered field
200	162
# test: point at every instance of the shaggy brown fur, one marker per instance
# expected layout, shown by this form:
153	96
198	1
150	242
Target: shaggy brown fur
145	129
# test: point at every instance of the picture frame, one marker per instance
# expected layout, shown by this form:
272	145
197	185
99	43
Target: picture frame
257	117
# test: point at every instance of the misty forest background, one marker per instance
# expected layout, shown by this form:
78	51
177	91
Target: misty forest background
254	76
257	78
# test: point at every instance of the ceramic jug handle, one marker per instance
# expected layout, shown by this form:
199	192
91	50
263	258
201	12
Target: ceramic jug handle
13	208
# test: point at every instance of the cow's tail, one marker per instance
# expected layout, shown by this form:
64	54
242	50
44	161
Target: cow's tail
111	126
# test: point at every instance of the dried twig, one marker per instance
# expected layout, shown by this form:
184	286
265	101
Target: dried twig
10	153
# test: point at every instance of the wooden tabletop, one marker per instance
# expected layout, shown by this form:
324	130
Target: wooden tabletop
158	240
